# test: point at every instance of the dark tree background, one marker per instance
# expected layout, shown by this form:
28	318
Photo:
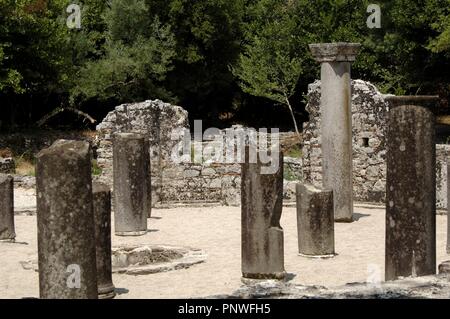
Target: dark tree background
225	61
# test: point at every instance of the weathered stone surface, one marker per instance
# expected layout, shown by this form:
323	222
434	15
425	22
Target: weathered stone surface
315	221
7	165
262	235
66	232
448	215
428	287
370	111
102	215
151	259
130	184
444	268
336	107
7	230
411	193
156	120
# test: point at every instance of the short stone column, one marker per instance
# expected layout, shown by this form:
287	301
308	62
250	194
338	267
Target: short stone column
315	221
336	123
7	231
102	215
130	164
65	218
410	193
261	207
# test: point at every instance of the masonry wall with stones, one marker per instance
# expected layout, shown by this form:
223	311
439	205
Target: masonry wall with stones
369	117
198	183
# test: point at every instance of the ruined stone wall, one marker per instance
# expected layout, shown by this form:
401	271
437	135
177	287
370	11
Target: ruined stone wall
369	117
193	183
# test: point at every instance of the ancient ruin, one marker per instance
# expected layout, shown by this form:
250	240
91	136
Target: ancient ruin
411	193
262	235
336	123
7	229
315	221
101	198
131	184
65	221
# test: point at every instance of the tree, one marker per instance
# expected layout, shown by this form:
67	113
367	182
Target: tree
138	55
270	65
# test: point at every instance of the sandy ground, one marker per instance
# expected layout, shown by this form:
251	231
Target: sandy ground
360	248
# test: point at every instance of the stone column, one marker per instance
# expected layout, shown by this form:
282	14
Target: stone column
315	221
448	208
410	193
65	218
148	193
336	123
7	232
102	215
130	162
262	235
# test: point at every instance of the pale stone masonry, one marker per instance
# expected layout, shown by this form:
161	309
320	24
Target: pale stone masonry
370	110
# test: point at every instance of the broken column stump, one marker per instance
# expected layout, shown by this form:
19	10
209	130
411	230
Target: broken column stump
102	215
262	235
410	193
65	218
315	221
130	164
7	230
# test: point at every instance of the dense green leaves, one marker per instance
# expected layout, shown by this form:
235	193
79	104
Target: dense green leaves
211	56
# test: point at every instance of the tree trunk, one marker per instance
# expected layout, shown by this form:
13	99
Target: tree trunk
293	117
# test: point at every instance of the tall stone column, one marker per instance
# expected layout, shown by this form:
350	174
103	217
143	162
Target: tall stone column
315	222
130	164
262	235
102	215
410	193
336	123
7	231
448	208
65	218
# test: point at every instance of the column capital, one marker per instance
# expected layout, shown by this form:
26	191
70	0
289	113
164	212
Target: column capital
335	52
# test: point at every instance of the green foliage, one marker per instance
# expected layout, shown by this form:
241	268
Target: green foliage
210	56
138	55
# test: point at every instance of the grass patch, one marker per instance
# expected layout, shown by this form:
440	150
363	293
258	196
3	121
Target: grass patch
95	169
295	152
288	175
25	165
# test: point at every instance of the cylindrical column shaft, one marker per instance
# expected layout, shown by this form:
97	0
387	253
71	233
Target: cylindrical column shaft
410	193
7	230
130	164
102	215
336	130
66	233
315	221
336	123
262	235
448	208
